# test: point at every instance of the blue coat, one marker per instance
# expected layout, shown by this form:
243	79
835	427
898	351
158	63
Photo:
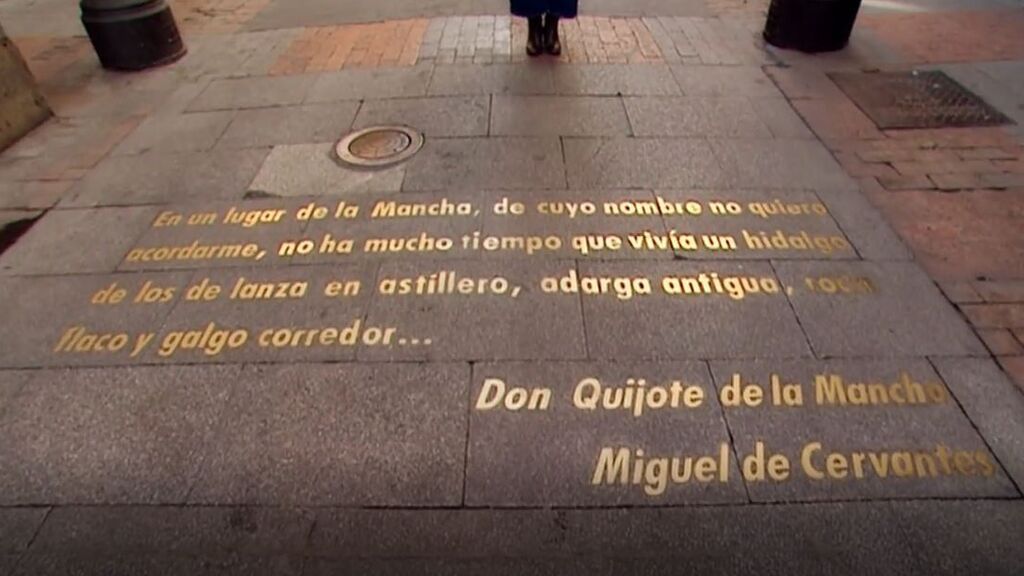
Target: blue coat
563	8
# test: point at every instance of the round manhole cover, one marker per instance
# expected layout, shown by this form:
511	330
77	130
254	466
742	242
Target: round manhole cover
379	146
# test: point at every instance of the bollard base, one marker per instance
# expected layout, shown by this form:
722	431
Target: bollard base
134	38
811	25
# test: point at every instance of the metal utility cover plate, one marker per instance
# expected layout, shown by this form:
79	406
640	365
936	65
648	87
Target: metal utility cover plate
379	146
916	99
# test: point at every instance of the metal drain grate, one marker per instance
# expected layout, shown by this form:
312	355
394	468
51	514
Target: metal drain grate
916	99
379	146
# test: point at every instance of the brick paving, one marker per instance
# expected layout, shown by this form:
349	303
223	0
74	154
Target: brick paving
956	195
502	39
953	36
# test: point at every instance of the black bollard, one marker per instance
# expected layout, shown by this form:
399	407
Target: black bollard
811	25
132	34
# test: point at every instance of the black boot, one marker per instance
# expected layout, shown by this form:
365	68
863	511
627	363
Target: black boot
552	44
535	36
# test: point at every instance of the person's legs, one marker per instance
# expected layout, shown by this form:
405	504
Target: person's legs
557	9
533	11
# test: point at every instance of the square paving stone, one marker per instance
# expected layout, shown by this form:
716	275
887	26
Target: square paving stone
762	224
631	163
385	230
11	382
486	163
994	405
254	92
53	321
32	195
554	450
178	530
529	78
313	170
195	132
863	224
458	533
781	119
558	116
595	225
625	324
18	528
289	125
357	435
435	117
284	313
110	435
512	319
688	117
778	164
158	178
76	241
217	235
973	537
880	309
924	449
370	84
779	534
632	80
719	81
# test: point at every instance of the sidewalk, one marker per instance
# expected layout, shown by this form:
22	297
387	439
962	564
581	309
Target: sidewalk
670	303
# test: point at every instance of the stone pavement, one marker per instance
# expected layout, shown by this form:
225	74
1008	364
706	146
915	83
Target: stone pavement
670	304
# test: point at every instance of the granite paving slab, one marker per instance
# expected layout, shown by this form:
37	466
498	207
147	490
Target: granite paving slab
477	311
314	170
462	164
443	117
752	225
97	320
558	116
106	436
18	528
163	530
218	235
611	80
688	117
631	163
849	430
196	132
794	163
725	81
554	434
76	241
382	435
994	405
529	78
311	123
159	178
269	315
370	84
708	310
253	92
874	309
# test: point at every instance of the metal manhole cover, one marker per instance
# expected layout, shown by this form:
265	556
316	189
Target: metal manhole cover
916	99
379	146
